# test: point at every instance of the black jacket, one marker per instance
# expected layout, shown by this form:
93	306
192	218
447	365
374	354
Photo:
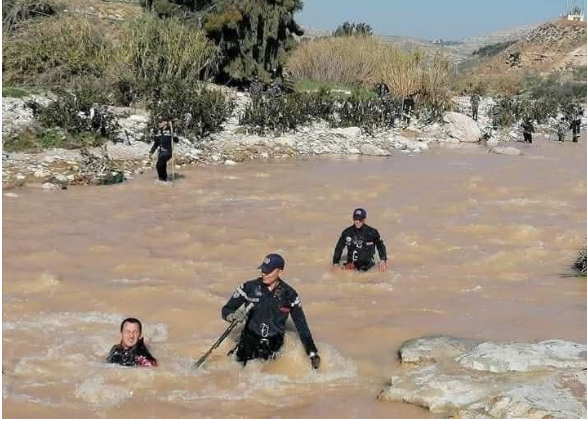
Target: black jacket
162	139
360	244
528	127
137	355
270	311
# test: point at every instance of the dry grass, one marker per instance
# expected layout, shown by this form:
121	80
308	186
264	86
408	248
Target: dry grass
366	61
68	49
54	50
342	60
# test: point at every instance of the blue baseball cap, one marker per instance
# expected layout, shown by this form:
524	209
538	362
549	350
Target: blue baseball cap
359	214
272	262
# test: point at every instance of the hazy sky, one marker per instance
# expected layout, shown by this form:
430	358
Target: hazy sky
429	19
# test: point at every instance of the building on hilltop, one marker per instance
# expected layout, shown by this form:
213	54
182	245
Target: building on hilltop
574	12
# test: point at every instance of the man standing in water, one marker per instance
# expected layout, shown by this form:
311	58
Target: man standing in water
360	241
131	351
528	129
273	301
162	141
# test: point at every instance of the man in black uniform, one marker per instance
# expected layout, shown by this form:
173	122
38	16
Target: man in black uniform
528	129
273	301
475	100
162	141
576	125
360	241
409	107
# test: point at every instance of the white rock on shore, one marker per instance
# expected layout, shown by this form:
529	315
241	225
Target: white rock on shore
462	128
471	379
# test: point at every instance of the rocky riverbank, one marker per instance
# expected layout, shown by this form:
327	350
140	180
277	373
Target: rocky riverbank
128	155
475	379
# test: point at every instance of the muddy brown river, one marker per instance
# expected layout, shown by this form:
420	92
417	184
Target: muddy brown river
478	244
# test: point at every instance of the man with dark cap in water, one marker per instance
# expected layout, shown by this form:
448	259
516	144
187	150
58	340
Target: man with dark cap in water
131	351
163	141
272	302
360	241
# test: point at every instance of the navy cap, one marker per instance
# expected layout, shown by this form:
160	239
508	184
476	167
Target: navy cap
272	262
359	214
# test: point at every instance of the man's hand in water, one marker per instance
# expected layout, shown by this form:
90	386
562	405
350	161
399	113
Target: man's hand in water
383	266
315	360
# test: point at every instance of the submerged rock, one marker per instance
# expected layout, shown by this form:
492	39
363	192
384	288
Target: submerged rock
471	379
506	150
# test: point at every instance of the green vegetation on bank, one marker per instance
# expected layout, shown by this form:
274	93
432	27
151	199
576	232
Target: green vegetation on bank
493	49
14	92
580	264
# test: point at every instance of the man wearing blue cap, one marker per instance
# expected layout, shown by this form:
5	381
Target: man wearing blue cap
272	302
360	241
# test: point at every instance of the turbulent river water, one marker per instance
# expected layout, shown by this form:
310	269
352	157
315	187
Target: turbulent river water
477	242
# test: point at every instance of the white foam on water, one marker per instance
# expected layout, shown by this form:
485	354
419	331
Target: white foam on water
95	392
132	281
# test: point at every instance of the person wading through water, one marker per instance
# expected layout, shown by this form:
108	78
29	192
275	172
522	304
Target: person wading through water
360	241
528	129
273	301
131	351
162	140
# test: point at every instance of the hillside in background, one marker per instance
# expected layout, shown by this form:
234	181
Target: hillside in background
556	45
459	51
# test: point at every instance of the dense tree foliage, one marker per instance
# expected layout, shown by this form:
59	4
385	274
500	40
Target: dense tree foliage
348	29
252	36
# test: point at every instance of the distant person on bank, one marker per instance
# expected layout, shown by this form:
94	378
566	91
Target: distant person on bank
528	129
360	240
162	140
475	100
131	351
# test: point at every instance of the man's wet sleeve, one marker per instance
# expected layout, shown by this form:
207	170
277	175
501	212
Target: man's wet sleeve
155	144
238	299
114	356
299	318
380	246
338	249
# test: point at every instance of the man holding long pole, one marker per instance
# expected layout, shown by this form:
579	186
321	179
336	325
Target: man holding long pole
273	301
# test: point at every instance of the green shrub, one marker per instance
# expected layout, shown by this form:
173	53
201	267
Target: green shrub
580	264
367	112
288	112
77	114
13	92
162	50
493	49
196	110
32	140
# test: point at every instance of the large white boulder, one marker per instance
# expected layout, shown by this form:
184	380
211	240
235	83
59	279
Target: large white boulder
462	127
471	379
